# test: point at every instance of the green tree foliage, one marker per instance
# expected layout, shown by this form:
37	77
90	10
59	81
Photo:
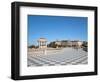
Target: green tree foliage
85	44
32	46
52	44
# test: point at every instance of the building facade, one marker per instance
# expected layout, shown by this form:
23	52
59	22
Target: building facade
69	43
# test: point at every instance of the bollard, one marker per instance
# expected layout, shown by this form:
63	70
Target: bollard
45	52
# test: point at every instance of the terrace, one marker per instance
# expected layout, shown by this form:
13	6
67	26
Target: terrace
60	56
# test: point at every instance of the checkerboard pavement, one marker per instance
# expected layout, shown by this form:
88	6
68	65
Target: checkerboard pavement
67	56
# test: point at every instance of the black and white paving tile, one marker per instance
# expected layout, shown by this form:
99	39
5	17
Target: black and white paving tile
66	56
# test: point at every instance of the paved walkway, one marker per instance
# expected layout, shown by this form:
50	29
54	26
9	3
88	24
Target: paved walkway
66	56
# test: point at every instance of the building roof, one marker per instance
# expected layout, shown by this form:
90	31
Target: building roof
42	39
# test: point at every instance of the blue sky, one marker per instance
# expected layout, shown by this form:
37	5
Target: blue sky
56	28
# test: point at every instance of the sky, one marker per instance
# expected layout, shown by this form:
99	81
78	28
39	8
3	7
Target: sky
56	28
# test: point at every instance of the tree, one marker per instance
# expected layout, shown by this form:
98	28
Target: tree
52	44
85	44
31	46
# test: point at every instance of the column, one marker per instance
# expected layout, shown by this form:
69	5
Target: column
39	44
45	44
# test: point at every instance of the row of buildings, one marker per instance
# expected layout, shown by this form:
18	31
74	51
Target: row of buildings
42	43
67	43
